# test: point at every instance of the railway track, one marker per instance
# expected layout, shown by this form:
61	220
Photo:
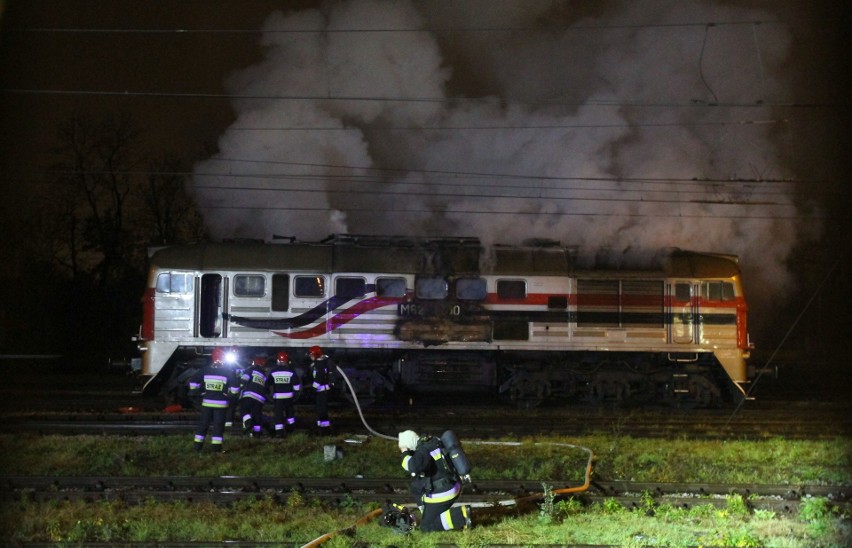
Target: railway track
792	422
230	489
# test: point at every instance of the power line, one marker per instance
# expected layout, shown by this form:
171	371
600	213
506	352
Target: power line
498	127
694	103
432	193
350	177
491	211
497	175
403	30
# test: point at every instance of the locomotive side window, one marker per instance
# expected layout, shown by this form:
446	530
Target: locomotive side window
511	289
431	288
558	302
683	293
390	287
717	291
471	289
249	285
174	282
280	292
350	288
309	286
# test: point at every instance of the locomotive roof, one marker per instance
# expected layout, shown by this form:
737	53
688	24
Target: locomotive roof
443	257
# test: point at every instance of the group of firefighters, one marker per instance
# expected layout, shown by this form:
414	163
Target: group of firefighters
436	482
216	387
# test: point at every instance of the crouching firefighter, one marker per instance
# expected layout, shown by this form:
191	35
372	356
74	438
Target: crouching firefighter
435	480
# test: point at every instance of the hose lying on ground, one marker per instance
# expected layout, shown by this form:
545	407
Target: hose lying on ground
484	504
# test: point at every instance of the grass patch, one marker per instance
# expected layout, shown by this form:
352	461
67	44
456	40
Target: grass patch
773	461
297	519
264	520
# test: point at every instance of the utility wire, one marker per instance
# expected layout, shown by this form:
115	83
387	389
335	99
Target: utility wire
423	100
383	30
816	292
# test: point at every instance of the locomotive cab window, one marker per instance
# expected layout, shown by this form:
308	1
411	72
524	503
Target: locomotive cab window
249	285
350	288
717	291
390	287
511	289
471	289
309	286
280	292
683	293
431	288
174	282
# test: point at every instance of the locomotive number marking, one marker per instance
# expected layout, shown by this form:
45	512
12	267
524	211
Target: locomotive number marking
419	310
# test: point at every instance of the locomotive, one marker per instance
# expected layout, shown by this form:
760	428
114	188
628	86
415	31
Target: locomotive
404	315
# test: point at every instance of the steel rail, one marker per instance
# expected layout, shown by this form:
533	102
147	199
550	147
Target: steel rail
496	426
379	489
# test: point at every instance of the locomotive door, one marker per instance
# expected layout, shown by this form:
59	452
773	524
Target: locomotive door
682	313
210	310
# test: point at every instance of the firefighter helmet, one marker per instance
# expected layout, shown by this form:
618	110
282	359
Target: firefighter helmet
282	357
259	361
219	355
315	352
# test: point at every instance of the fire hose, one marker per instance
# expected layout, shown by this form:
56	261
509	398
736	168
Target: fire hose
508	502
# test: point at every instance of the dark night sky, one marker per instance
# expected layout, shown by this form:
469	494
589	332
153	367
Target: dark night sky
548	69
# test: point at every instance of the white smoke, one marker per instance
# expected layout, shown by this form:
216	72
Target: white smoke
618	129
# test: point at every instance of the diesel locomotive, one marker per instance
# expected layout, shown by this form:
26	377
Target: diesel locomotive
402	315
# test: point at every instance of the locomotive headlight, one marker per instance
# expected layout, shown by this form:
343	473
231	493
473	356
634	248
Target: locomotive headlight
230	357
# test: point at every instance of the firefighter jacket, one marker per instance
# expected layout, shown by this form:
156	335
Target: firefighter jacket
433	478
253	381
320	369
215	385
284	382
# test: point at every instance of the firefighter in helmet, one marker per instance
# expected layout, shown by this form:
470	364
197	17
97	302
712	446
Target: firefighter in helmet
284	385
217	387
320	367
253	396
434	482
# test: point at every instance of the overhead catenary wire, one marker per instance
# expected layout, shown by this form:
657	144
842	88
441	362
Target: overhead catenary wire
598	103
793	325
366	30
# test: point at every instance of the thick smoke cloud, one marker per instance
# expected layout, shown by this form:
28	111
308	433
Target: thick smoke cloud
625	129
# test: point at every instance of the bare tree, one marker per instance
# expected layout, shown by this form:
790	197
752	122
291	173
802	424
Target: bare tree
169	212
95	180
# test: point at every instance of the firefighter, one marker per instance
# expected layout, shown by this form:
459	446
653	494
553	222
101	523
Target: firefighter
217	387
285	386
320	367
253	395
434	482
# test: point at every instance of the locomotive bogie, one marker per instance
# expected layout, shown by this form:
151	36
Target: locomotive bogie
452	315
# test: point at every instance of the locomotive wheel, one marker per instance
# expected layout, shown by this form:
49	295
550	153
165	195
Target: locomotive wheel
609	386
704	393
369	387
529	391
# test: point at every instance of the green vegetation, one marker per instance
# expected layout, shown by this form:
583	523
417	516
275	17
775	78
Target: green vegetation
552	519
